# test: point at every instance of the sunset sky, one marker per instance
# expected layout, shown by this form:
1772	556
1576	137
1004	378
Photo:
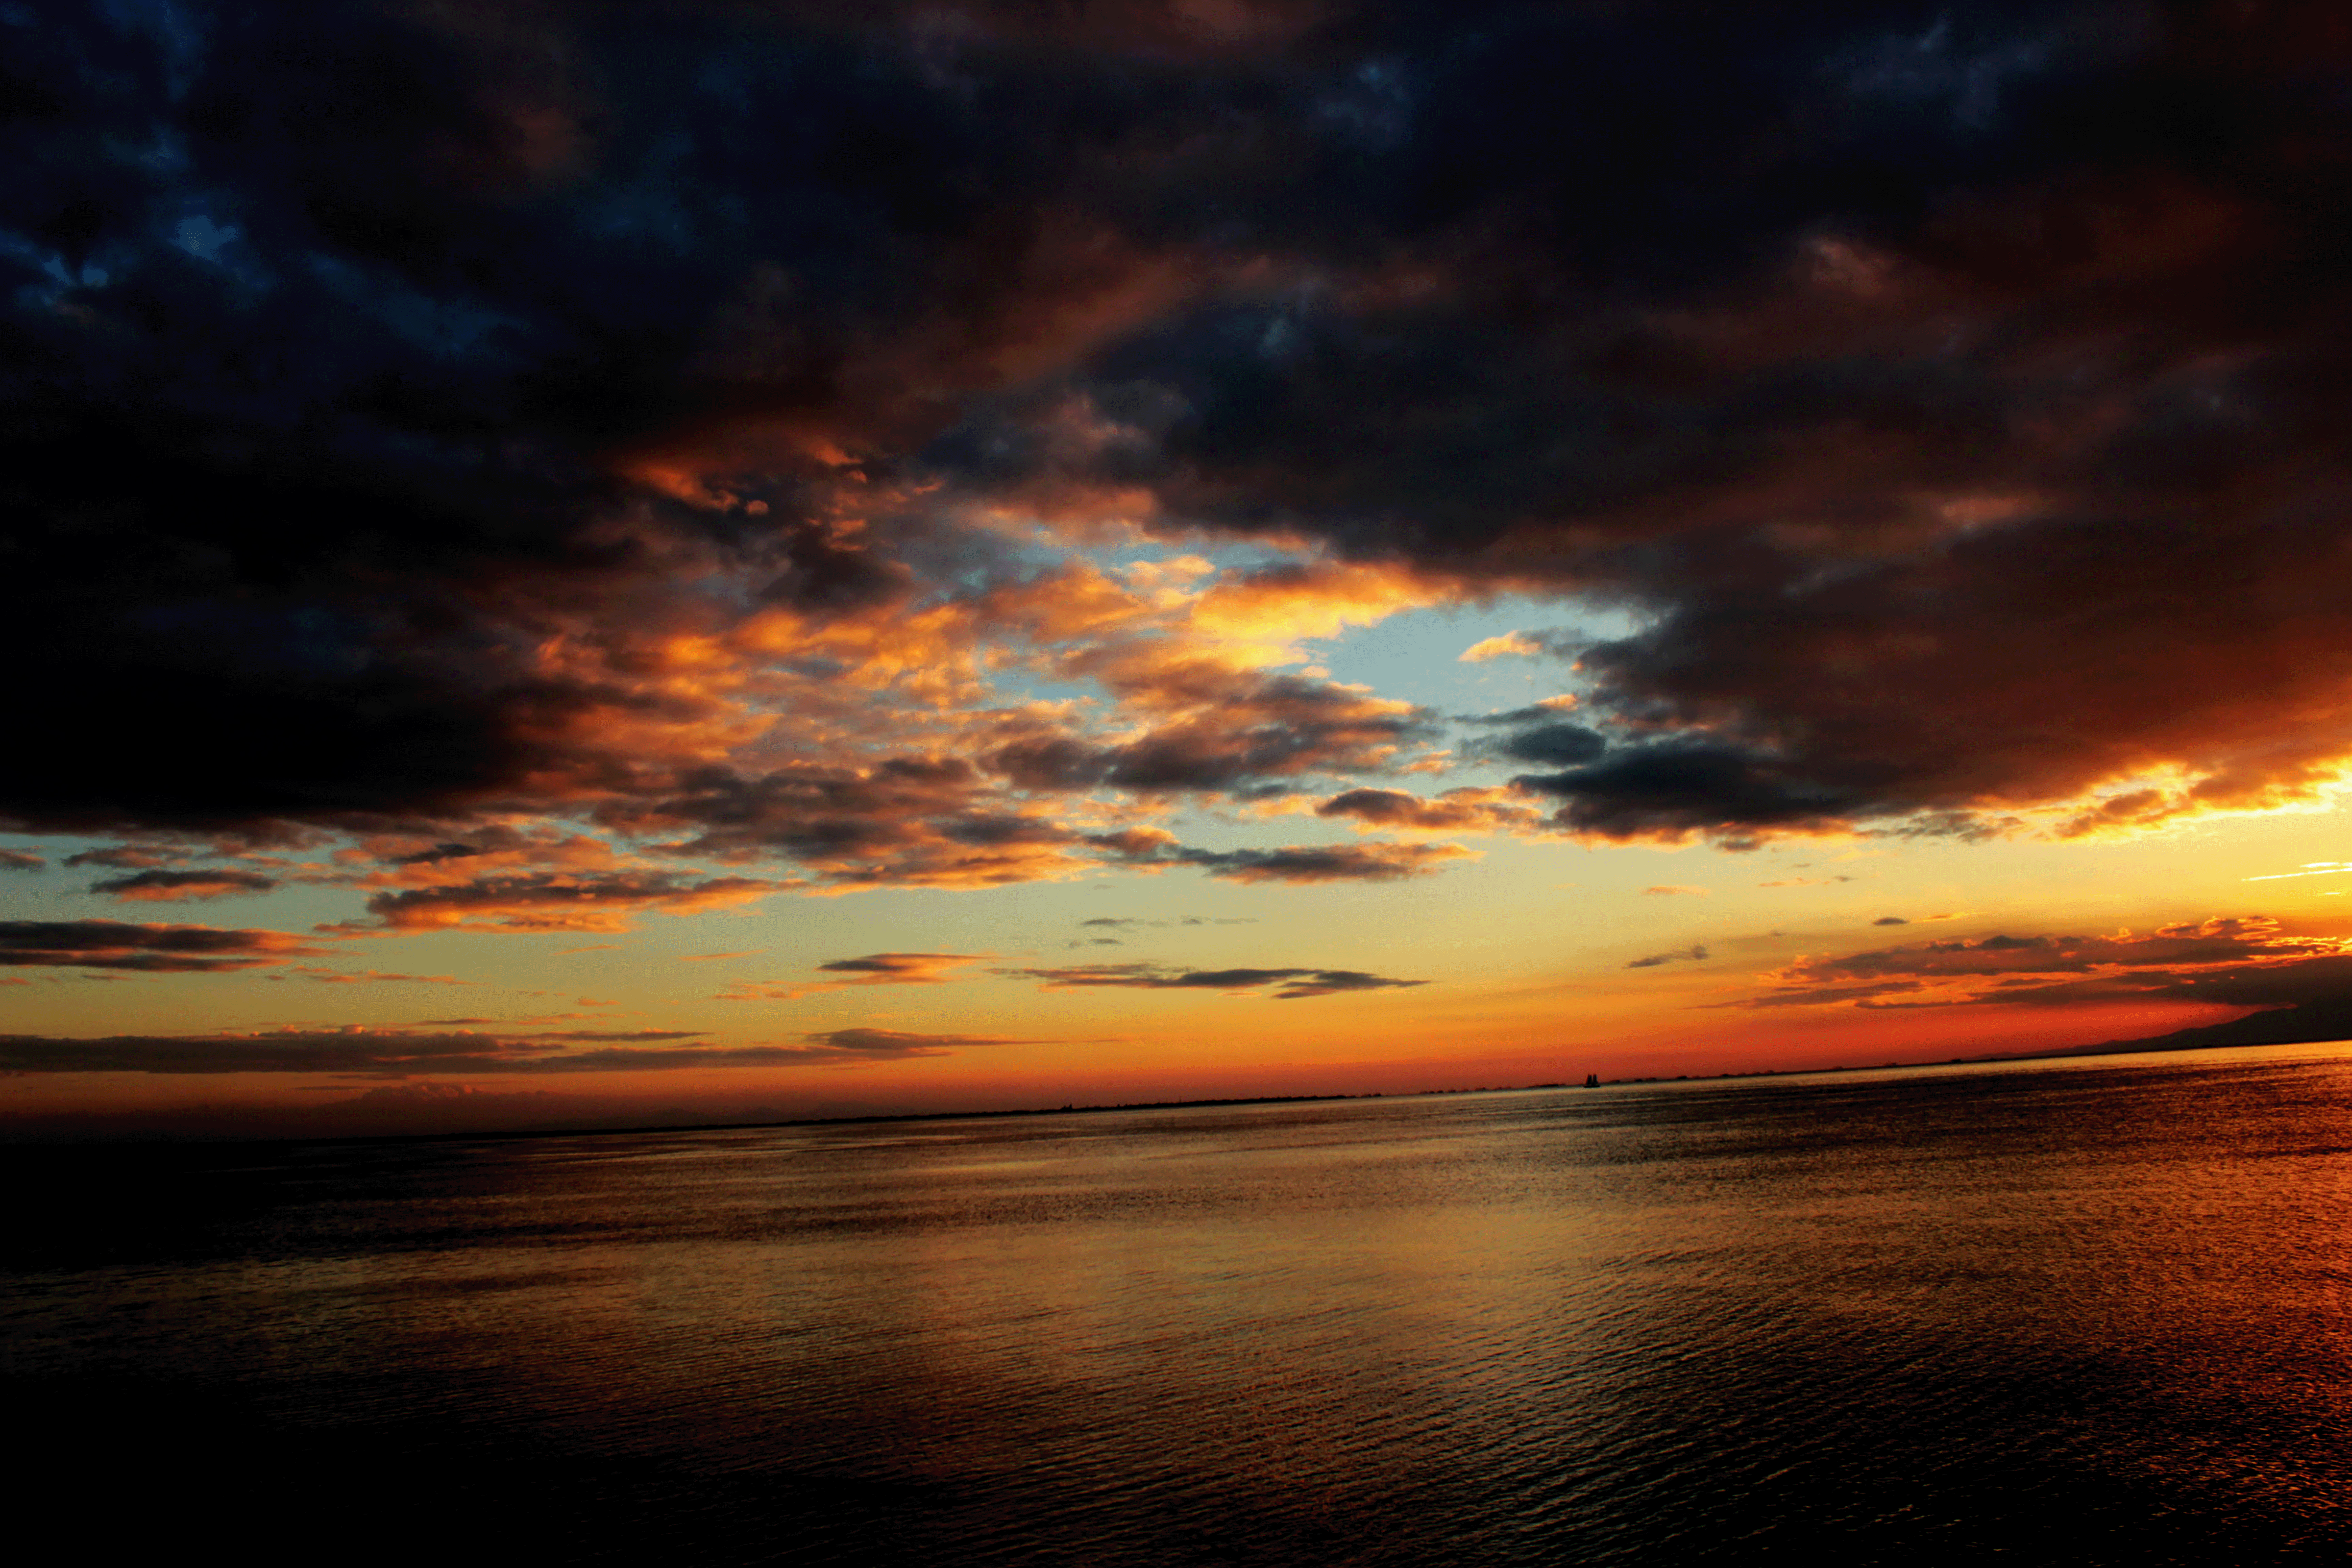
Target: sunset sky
572	560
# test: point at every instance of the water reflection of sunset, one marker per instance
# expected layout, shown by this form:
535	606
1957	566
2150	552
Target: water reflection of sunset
1915	1309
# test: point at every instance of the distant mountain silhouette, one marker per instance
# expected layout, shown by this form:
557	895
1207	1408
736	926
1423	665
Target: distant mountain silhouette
2322	1018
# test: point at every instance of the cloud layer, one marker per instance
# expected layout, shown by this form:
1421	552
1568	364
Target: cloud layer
706	427
2239	960
398	1052
113	944
1287	985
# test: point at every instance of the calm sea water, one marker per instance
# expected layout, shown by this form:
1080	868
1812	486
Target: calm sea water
2081	1312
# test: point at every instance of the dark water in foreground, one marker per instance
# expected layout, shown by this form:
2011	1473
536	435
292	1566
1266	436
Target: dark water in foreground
2064	1312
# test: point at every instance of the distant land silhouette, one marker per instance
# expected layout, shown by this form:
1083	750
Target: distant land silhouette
2315	1022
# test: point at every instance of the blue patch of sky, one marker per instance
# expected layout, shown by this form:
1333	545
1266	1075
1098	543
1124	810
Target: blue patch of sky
1413	657
1417	656
59	891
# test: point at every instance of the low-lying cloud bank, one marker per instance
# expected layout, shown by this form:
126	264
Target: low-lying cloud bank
399	1053
1288	984
2238	961
115	944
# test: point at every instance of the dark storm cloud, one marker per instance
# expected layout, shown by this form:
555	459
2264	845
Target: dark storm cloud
18	860
113	944
1547	741
1921	375
332	329
1679	787
1955	394
1289	984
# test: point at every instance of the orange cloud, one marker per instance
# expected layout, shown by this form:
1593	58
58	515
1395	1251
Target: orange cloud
1510	645
1469	810
555	900
1262	616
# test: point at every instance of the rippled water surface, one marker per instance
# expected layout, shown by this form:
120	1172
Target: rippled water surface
2077	1311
